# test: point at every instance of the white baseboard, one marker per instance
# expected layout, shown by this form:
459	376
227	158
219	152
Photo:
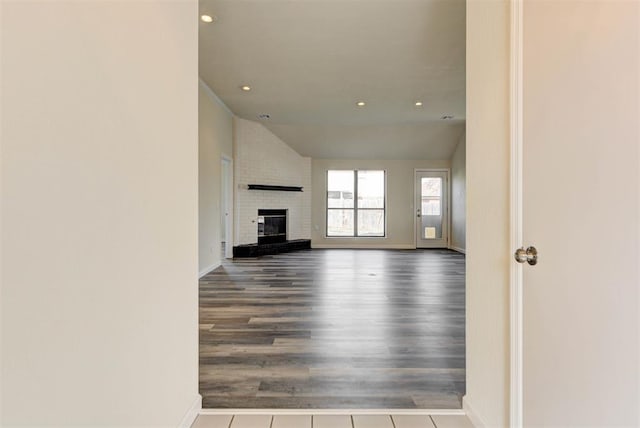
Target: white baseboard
332	412
458	249
371	246
208	269
471	414
193	412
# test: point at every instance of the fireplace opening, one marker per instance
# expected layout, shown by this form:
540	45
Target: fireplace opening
272	226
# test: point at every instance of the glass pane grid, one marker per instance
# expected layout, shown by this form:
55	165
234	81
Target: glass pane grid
368	187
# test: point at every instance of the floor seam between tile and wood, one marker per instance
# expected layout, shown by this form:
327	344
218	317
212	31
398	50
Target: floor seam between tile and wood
332	421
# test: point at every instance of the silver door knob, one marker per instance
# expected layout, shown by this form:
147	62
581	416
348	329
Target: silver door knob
530	255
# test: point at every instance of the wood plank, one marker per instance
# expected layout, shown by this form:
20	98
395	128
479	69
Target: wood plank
334	329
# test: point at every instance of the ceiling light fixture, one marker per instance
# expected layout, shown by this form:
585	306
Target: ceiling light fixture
206	18
245	88
418	103
361	103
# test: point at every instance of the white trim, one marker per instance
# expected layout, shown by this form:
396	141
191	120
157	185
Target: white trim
193	412
365	246
208	269
455	412
213	96
458	249
229	221
516	283
471	414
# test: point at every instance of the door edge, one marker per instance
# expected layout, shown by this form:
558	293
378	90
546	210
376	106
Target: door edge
516	391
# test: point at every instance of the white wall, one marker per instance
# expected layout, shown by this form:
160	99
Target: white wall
400	202
489	255
99	213
215	140
459	195
262	158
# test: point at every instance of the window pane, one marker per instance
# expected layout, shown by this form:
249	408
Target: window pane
431	186
370	189
371	223
340	223
340	189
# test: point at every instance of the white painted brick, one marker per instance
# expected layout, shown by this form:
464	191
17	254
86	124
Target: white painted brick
262	158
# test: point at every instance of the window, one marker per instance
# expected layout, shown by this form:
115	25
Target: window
355	203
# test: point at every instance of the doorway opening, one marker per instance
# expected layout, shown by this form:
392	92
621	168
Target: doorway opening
226	205
374	315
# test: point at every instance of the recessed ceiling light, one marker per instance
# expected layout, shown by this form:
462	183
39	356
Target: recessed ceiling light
207	18
245	88
418	103
447	117
361	103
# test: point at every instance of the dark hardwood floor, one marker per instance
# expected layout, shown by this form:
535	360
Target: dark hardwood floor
334	329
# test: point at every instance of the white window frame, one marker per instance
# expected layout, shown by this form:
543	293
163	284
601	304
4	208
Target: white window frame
355	206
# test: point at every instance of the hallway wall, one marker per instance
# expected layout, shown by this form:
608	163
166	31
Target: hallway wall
215	138
99	210
459	196
487	240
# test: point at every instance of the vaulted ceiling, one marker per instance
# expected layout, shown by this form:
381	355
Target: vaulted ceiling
308	62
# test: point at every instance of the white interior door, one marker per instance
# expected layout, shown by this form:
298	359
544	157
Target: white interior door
432	208
581	212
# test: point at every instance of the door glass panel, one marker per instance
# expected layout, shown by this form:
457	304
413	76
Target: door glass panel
431	206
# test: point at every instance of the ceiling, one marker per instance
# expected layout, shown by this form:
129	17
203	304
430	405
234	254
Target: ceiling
309	62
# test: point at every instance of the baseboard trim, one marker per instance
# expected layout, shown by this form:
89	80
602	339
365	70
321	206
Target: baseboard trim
193	412
364	246
208	269
454	412
471	414
458	249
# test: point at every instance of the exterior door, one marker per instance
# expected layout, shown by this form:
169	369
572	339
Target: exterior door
581	211
432	208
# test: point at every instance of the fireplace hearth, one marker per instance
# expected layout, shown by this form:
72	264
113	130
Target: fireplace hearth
272	236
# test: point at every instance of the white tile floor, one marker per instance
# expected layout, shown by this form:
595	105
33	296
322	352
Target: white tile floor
332	421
